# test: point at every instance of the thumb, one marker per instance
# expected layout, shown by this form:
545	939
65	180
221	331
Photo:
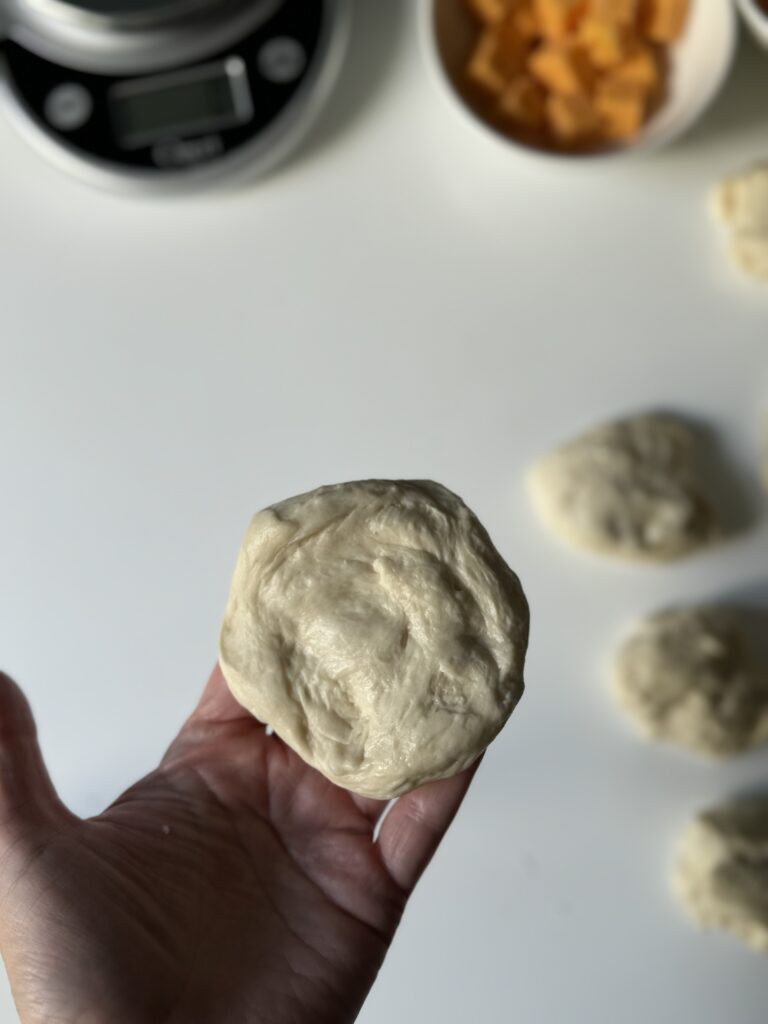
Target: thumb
28	801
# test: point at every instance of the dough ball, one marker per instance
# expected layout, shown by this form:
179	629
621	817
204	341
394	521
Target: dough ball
686	676
750	253
741	201
375	627
721	874
629	489
741	204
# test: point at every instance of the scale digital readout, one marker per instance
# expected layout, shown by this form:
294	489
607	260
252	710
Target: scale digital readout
165	93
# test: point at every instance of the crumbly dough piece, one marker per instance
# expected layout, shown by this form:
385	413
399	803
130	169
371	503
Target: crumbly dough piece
721	874
686	676
629	489
740	203
375	627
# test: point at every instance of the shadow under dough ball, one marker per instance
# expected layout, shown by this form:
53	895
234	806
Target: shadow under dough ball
376	628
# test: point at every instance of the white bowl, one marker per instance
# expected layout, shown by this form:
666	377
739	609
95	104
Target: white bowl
699	65
757	19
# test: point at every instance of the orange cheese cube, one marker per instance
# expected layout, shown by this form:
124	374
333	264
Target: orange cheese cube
511	54
618	12
663	21
500	54
557	18
563	68
492	11
642	68
524	102
606	43
574	74
481	69
621	107
572	119
524	19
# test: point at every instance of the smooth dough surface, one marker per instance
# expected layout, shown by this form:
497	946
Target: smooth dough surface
721	873
740	202
375	627
686	676
629	489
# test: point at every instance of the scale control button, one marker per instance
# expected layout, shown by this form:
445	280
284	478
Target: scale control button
68	107
282	60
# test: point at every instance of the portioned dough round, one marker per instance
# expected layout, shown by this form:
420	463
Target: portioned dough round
629	489
686	676
741	204
741	201
375	627
750	253
721	874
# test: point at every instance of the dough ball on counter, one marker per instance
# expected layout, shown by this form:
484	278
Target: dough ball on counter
721	874
629	489
376	628
686	676
740	202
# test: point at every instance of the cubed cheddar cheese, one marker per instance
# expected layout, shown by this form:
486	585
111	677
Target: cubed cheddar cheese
663	21
606	43
481	69
621	107
512	49
574	74
641	68
500	54
572	119
557	18
563	68
618	12
524	102
523	17
490	11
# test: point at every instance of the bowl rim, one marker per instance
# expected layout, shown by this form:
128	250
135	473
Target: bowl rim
755	16
756	8
641	145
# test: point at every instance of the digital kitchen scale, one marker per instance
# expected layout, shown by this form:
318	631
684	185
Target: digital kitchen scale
160	94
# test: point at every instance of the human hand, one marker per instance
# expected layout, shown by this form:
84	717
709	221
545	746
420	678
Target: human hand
234	884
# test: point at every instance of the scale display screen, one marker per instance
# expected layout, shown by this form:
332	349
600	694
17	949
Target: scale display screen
208	98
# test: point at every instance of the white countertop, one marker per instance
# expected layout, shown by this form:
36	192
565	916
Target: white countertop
401	300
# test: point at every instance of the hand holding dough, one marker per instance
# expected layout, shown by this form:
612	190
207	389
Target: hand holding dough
375	627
